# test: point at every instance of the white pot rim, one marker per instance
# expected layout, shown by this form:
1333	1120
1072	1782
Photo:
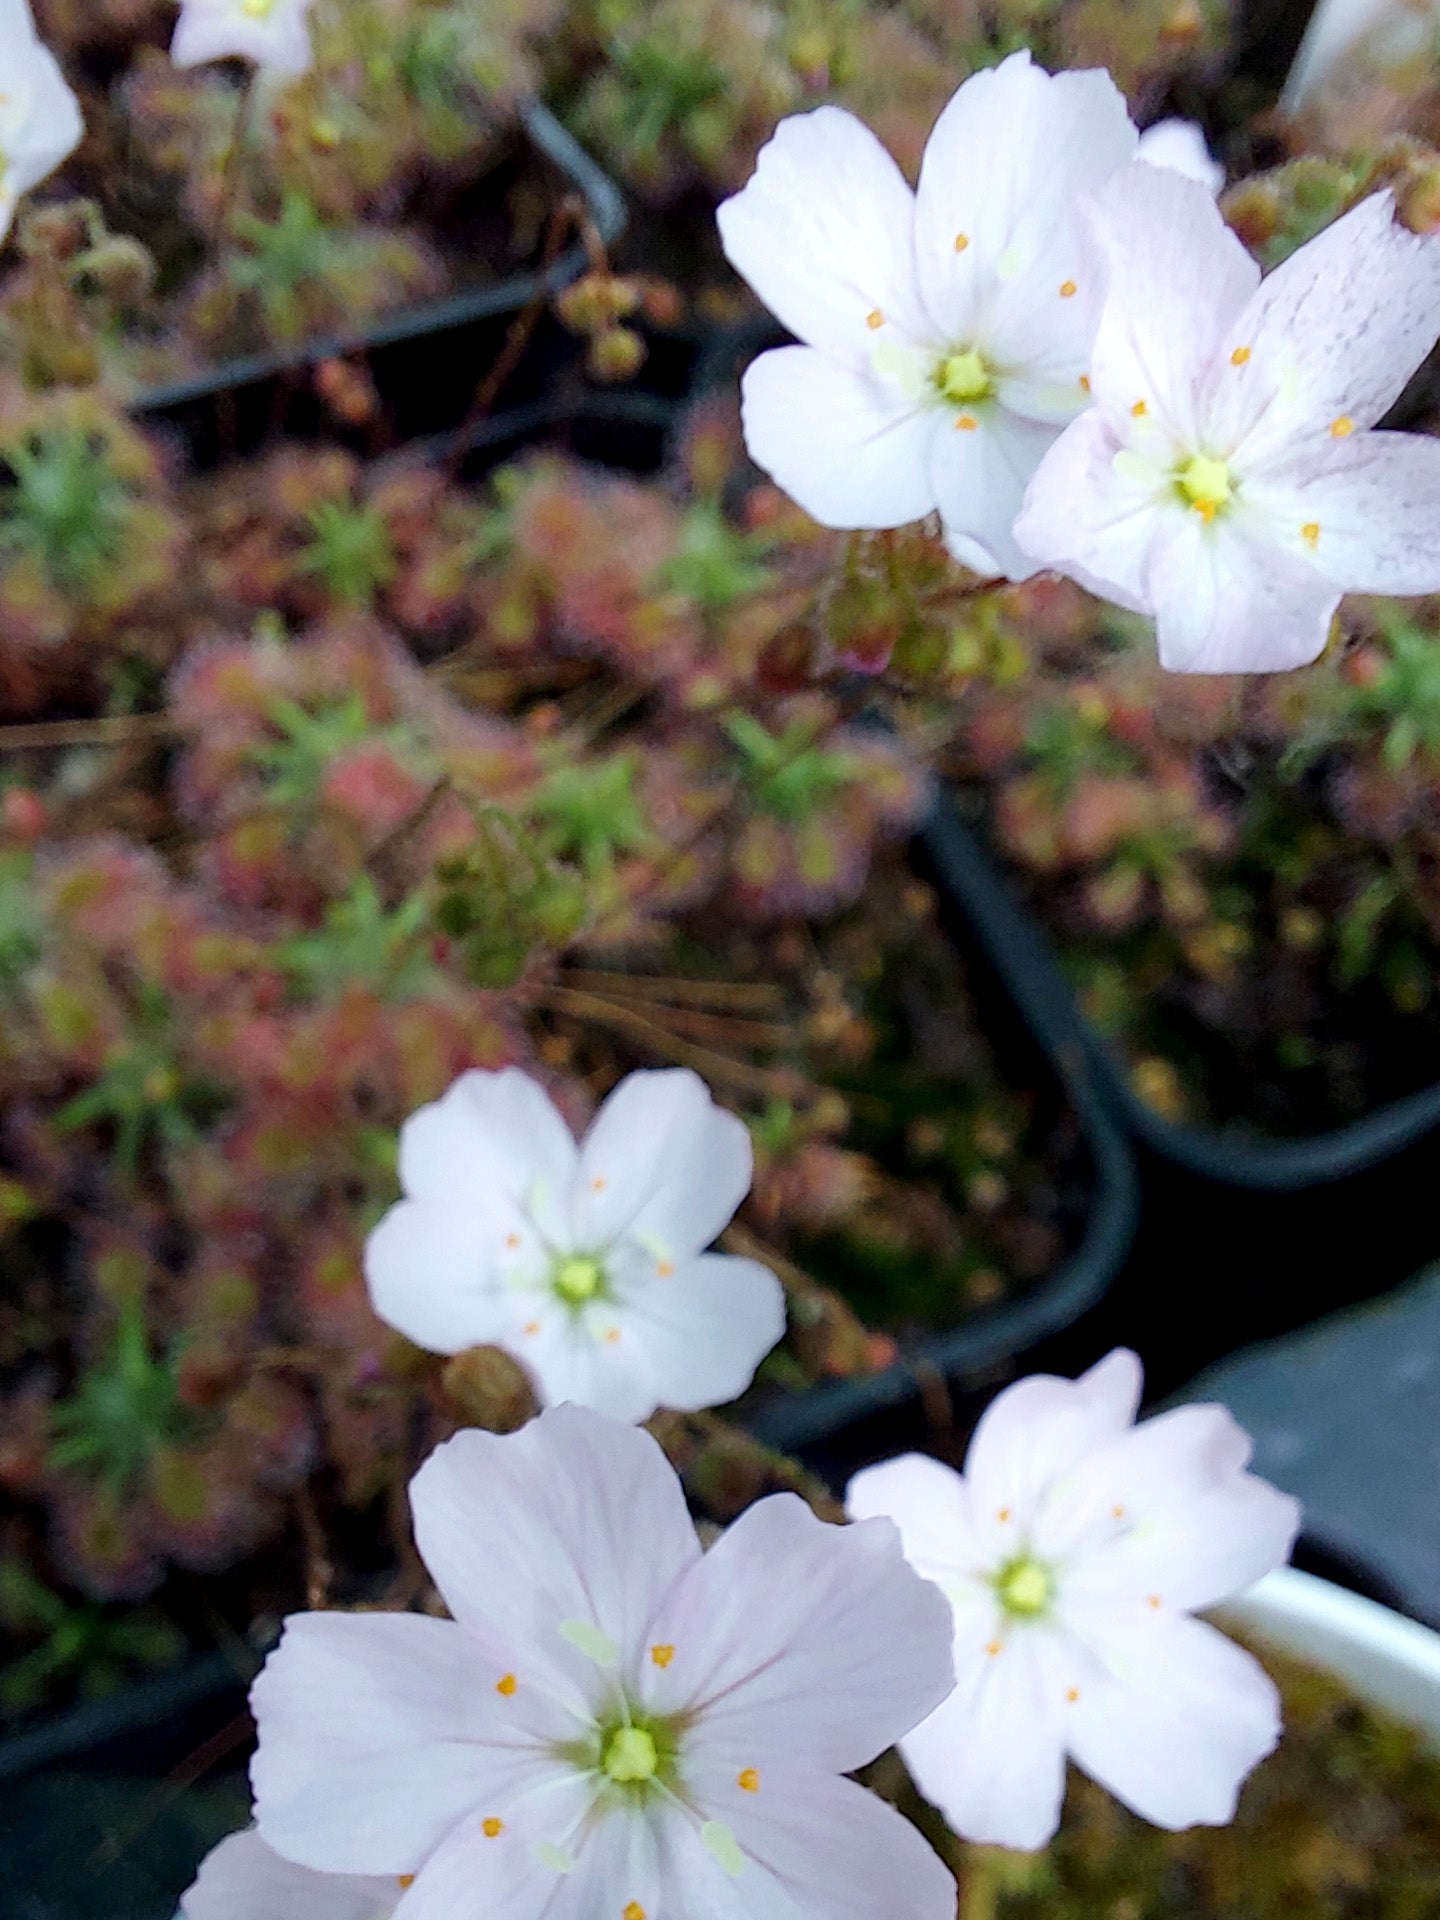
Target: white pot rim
1390	1662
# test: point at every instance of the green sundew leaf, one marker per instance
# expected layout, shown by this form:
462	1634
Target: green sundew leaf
1359	928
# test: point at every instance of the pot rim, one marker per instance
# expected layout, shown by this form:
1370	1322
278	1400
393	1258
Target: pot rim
1391	1662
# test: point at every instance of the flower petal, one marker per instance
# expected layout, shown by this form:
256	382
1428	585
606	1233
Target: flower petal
244	1879
1167	1515
813	1847
1181	146
1178	1721
490	1134
435	1274
992	1758
277	40
589	1360
980	474
1228	599
847	446
1002	171
574	1518
1040	1428
51	129
378	1732
822	232
661	1164
705	1328
520	1872
801	1640
1333	335
1090	517
1178	280
930	1504
1365	513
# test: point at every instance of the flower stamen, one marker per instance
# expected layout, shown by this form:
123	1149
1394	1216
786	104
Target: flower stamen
749	1780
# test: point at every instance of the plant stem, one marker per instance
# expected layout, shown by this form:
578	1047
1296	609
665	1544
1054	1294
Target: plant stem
232	184
980	1885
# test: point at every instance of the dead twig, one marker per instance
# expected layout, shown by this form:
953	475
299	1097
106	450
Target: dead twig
319	1567
719	1028
746	996
570	216
115	730
779	1083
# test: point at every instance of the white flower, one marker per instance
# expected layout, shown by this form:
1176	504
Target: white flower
1180	145
587	1263
1074	1551
243	1879
613	1726
1226	481
274	34
40	121
948	330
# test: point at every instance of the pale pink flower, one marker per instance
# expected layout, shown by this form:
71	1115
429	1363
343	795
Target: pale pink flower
1180	145
274	34
1074	1551
40	119
584	1262
243	1879
947	331
613	1725
1226	480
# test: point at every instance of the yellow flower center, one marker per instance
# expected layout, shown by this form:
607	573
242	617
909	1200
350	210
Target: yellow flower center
578	1278
631	1756
1204	484
962	377
258	9
1025	1588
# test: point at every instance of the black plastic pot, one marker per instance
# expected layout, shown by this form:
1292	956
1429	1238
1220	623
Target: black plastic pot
430	355
991	1344
105	1810
1026	955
